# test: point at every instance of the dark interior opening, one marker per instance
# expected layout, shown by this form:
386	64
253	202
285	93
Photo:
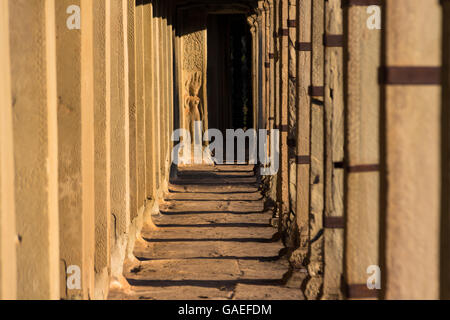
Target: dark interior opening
230	101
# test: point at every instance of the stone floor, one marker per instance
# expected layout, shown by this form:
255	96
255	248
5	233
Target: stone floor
211	240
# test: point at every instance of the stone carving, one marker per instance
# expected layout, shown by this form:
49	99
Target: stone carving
192	103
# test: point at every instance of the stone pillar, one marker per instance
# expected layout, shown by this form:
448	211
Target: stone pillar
162	108
283	183
445	200
316	91
267	37
157	93
334	150
120	161
74	50
362	146
178	64
259	50
102	127
170	19
271	55
252	21
150	99
276	107
8	236
292	229
411	154
273	91
33	91
303	156
167	106
132	84
276	45
271	70
262	65
140	104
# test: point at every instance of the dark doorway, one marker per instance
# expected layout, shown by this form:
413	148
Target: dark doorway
229	73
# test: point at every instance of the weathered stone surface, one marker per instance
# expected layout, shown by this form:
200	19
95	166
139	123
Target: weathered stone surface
217	251
8	266
334	149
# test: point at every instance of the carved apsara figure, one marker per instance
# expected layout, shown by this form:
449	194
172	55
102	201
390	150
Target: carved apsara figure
192	103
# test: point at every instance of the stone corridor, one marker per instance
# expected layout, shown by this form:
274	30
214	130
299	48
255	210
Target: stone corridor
348	199
212	239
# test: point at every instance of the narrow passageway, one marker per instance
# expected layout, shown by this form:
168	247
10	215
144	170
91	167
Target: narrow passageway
212	240
343	107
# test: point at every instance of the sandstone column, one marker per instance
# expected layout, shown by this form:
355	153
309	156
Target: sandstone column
167	107
170	19
292	228
157	93
262	65
276	45
303	155
411	154
252	22
120	162
283	187
267	64
102	127
8	236
74	50
276	108
274	91
179	111
316	91
334	149
163	79
33	85
362	146
140	103
132	84
271	86
150	99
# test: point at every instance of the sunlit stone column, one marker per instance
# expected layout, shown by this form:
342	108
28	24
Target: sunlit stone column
170	21
33	93
132	105
316	91
291	225
8	236
140	104
162	108
157	93
334	149
303	155
411	143
150	100
102	131
283	187
74	49
362	146
120	161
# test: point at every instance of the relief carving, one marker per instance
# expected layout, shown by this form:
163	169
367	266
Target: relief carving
192	103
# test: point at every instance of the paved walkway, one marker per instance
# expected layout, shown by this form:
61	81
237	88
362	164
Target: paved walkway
212	240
